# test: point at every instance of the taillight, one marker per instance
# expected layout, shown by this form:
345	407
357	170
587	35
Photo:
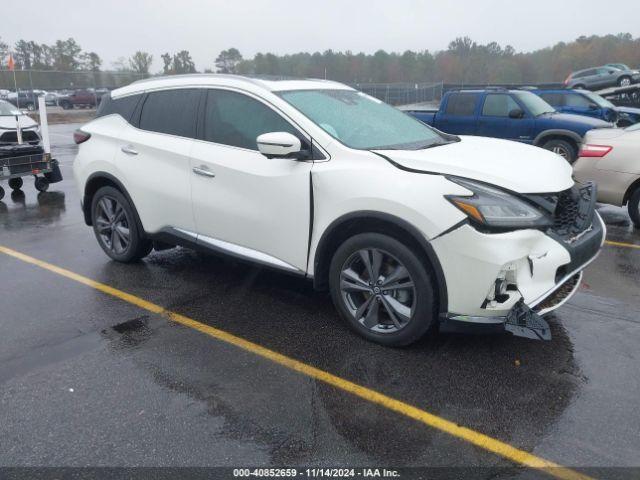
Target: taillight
597	151
566	82
80	136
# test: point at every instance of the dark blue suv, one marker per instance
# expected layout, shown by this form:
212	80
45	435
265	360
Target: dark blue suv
582	102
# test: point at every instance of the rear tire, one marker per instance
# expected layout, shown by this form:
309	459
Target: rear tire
116	228
563	148
382	289
15	183
624	81
634	207
580	87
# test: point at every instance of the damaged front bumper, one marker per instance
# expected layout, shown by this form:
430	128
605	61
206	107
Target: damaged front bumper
543	271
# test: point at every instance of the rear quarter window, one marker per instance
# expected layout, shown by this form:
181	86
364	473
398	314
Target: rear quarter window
462	104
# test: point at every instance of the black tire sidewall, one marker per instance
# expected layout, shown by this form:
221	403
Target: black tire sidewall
138	246
425	315
633	206
16	183
573	154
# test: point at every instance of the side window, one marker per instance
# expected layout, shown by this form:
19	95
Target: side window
588	73
462	104
171	111
574	100
498	105
554	99
123	106
235	119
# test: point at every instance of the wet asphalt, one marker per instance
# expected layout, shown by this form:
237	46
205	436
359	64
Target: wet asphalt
89	380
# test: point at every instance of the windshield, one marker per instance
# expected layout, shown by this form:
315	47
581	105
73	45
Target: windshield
598	100
534	104
6	109
363	122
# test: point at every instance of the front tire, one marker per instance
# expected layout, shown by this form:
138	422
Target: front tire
115	226
563	148
382	289
634	207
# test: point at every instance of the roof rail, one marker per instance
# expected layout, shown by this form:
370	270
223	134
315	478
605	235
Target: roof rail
199	75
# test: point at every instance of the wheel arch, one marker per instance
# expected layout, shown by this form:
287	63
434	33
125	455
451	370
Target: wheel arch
95	182
559	134
355	223
632	188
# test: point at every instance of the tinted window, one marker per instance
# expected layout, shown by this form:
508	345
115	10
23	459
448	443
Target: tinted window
554	99
171	111
602	71
462	104
499	105
587	73
235	119
574	100
122	106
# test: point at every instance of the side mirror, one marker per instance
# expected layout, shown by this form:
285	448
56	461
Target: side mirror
516	113
279	145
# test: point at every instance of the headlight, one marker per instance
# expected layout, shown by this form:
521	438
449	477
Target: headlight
496	208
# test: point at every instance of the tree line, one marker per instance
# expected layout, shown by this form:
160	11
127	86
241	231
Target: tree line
464	61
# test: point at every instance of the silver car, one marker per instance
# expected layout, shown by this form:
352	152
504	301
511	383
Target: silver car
601	77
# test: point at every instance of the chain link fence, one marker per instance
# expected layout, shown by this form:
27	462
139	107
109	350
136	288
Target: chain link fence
402	93
56	80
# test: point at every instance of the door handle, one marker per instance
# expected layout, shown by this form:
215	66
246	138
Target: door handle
129	150
203	171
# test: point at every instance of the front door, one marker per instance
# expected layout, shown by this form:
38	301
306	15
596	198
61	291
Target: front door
243	202
495	121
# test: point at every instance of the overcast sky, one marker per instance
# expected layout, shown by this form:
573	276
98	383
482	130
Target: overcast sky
117	28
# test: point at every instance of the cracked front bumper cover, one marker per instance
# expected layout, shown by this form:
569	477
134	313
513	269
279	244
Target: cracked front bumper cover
521	321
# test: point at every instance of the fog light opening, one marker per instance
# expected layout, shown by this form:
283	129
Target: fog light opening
504	283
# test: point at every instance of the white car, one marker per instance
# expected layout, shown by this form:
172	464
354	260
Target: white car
8	126
408	227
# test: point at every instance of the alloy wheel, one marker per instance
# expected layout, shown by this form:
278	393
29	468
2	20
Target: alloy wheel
625	82
112	224
378	290
561	151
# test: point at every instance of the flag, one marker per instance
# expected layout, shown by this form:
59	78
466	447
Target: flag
11	64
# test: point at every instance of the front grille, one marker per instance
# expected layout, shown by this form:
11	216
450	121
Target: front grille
11	137
574	211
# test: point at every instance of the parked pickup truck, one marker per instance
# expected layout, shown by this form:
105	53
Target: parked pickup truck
584	102
79	98
513	115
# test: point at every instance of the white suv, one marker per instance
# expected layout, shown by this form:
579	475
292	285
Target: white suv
408	227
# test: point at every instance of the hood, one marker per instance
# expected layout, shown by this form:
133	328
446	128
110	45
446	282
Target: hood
511	165
628	110
577	120
9	122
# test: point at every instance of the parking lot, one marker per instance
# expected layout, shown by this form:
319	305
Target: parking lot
192	360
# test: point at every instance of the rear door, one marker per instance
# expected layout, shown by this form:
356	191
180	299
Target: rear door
459	115
153	158
580	105
243	202
495	122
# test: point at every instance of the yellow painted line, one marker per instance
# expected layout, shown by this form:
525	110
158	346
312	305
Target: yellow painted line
478	439
621	244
